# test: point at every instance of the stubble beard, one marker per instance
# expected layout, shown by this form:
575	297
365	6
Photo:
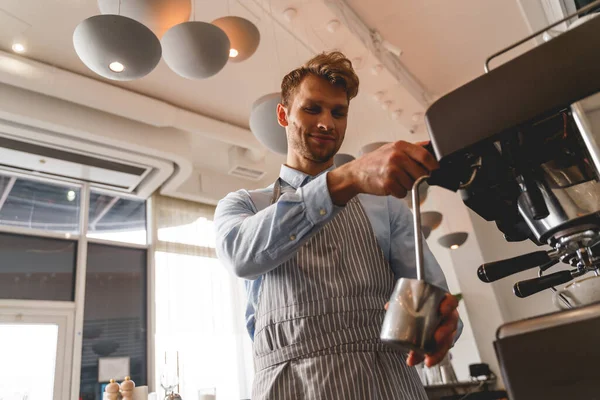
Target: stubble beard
311	151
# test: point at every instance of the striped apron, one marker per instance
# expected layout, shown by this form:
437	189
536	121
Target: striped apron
319	316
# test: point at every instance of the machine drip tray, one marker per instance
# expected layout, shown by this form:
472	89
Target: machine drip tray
552	357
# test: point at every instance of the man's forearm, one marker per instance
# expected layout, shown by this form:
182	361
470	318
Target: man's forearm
341	185
251	244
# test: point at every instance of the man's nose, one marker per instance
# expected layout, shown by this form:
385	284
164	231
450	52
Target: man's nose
325	122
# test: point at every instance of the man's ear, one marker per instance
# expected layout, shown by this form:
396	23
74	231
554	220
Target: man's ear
282	115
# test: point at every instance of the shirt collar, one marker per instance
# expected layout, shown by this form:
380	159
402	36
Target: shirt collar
297	178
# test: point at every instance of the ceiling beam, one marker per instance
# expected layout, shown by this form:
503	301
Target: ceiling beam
373	41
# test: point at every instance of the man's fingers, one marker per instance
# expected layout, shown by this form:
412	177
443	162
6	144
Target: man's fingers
402	178
448	305
414	358
445	331
432	359
422	156
414	169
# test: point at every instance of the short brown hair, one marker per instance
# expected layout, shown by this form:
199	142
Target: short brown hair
333	66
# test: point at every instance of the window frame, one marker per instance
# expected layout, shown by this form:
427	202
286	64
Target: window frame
75	332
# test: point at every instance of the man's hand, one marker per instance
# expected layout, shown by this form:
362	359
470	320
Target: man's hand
444	334
390	170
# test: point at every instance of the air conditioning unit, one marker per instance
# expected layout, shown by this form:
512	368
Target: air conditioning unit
241	165
31	151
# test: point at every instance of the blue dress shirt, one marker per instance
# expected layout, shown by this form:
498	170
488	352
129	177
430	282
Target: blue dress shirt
253	238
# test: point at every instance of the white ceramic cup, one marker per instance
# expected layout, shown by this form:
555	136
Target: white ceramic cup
580	292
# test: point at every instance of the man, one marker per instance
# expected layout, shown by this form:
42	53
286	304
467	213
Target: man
321	250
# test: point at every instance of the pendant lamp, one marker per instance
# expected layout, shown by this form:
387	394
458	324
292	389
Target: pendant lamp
158	15
243	35
116	47
453	240
195	49
341	158
431	219
370	147
264	125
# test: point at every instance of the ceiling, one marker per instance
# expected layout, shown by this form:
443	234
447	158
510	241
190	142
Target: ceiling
443	44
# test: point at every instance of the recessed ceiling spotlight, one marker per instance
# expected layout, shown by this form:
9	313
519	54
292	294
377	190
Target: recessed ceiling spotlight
417	117
379	95
116	66
18	47
396	114
333	25
289	14
376	69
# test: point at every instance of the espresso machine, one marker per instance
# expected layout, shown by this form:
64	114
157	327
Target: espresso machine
521	144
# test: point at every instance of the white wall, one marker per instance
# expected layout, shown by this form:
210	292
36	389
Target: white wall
480	310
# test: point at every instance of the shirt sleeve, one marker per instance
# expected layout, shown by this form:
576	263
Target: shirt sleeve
252	242
402	252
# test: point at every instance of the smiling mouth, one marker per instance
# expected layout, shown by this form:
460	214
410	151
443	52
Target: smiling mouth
323	138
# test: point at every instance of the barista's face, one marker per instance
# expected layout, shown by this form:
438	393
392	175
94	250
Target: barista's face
315	122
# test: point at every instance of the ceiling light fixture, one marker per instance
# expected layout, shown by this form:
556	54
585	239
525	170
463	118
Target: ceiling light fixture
376	69
158	15
453	240
102	39
387	104
195	50
333	25
243	35
341	158
264	124
431	219
18	48
116	66
367	148
233	53
289	14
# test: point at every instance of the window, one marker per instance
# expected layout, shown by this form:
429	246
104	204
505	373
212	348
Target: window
199	307
26	203
118	219
36	268
115	319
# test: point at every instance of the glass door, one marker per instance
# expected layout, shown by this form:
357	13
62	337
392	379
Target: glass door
36	353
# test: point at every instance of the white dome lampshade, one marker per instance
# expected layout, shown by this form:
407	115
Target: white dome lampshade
453	240
370	147
426	231
431	219
243	36
341	158
264	125
116	47
195	50
158	15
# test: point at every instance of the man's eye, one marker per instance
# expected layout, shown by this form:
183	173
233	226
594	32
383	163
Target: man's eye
311	110
339	114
